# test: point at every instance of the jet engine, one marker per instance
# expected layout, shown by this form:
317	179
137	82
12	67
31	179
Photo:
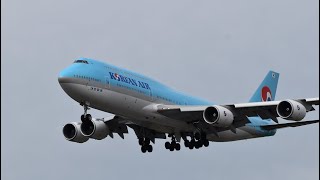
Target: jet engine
218	116
71	132
95	128
291	110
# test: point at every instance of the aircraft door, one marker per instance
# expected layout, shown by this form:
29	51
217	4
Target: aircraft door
151	95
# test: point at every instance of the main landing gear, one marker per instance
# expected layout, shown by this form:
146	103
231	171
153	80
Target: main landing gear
173	145
145	145
198	141
85	116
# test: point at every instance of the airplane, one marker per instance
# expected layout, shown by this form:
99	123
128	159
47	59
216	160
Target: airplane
156	111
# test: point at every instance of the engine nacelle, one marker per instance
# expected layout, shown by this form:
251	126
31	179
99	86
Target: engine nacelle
218	116
71	132
95	129
291	110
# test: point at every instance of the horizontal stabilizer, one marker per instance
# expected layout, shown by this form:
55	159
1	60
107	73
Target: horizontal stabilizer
296	124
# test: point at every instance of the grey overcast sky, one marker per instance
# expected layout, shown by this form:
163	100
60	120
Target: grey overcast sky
214	49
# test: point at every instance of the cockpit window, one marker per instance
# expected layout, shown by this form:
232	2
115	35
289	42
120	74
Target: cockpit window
81	61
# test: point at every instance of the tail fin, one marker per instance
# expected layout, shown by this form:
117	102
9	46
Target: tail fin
267	89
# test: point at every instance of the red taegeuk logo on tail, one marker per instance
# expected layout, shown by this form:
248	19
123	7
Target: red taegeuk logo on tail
266	94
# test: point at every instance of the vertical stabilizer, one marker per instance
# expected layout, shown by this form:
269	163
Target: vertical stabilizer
267	89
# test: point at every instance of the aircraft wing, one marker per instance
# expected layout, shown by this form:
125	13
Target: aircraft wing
285	125
265	110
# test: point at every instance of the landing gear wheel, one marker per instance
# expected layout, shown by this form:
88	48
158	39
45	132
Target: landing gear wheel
88	117
192	142
206	143
172	148
191	146
83	118
177	147
167	145
173	143
140	141
197	146
186	143
143	149
149	147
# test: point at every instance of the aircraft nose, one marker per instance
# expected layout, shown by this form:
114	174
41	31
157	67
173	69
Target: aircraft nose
64	76
67	82
61	79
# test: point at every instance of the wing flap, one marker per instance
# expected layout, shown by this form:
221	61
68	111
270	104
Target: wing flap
184	113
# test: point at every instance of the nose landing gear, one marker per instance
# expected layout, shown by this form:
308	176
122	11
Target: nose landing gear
85	116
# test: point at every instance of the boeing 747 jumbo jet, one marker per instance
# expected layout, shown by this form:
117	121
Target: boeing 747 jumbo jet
154	110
